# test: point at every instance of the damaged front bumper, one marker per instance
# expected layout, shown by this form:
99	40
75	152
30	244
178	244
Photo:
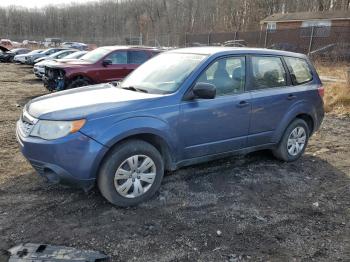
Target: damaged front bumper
54	79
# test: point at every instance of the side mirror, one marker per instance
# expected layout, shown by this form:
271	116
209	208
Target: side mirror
106	62
204	91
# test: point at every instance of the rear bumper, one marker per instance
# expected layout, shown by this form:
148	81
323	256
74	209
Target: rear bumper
318	116
72	160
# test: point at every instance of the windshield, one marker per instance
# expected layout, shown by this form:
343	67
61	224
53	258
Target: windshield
15	50
46	52
75	55
95	55
164	73
54	55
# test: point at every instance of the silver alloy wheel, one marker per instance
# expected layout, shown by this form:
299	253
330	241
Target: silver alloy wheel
296	141
135	176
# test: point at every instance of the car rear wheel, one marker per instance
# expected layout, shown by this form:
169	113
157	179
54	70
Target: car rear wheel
293	142
131	173
79	82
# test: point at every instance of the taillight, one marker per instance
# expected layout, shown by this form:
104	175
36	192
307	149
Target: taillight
321	91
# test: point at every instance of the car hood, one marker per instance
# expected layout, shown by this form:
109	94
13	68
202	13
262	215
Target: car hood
70	63
19	56
88	102
41	59
42	63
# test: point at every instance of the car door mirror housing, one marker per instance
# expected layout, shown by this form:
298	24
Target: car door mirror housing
106	62
204	91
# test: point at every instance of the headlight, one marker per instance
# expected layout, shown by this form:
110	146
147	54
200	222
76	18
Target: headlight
50	130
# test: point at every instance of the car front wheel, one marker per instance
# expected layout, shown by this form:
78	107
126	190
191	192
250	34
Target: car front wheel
131	173
293	142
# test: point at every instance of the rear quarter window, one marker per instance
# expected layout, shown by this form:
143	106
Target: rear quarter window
299	70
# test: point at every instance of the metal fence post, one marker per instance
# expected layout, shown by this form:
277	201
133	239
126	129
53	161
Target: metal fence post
311	40
209	35
235	36
266	33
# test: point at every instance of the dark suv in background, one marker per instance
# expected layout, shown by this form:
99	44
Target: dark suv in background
9	55
104	64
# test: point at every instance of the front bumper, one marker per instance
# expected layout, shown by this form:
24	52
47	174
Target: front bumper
29	61
71	160
19	60
39	72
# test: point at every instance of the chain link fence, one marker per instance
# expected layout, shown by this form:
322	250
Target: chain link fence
324	42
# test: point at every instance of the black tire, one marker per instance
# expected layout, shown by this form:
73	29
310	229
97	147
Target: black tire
112	162
79	82
281	152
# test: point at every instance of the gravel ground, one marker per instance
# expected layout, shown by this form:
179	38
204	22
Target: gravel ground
249	208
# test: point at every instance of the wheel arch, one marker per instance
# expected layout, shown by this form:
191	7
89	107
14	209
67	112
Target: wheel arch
155	140
301	111
309	121
78	76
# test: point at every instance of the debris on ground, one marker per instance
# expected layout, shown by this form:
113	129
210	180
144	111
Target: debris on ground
38	252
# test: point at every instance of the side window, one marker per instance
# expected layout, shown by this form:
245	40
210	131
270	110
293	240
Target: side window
268	72
137	57
299	70
118	57
227	75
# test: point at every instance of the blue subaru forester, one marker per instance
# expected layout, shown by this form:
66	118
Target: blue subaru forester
180	108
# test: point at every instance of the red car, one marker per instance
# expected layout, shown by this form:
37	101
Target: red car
102	65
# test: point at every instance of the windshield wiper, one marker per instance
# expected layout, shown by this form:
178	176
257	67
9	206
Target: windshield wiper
132	88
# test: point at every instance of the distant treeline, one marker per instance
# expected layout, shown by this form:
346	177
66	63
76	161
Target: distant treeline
117	19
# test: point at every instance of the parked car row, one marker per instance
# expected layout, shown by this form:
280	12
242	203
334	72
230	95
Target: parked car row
61	56
65	68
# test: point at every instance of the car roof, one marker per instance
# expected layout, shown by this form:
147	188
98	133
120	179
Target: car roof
213	50
120	47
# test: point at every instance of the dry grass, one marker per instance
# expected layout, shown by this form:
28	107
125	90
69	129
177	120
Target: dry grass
337	94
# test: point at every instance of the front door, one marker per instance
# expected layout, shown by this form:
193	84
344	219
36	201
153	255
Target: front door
116	71
221	124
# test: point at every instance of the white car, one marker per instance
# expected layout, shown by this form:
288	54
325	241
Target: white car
22	58
57	55
39	68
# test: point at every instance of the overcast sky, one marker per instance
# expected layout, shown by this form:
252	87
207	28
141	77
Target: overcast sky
38	3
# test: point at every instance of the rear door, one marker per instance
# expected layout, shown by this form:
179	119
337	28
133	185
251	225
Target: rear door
272	95
136	58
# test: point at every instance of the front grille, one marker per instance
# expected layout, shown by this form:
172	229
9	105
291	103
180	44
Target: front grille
25	127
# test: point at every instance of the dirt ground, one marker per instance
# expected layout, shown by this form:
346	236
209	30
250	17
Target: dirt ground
249	208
